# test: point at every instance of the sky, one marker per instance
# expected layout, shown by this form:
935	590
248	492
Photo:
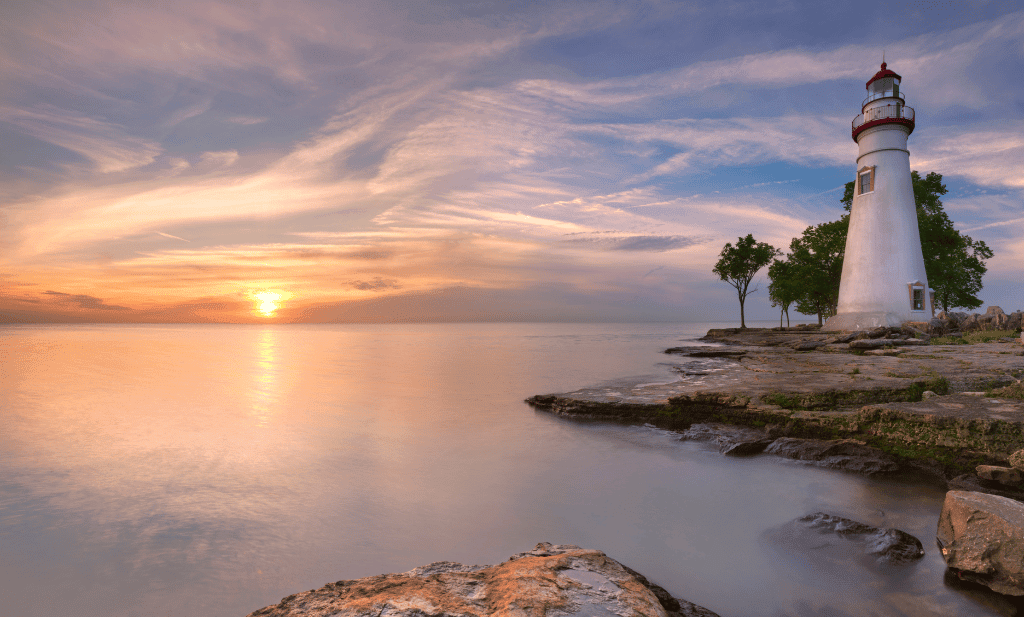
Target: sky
322	161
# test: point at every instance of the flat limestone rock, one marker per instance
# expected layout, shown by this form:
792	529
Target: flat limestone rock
981	537
883	342
553	579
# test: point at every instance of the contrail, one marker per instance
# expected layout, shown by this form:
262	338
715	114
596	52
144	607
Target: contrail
170	236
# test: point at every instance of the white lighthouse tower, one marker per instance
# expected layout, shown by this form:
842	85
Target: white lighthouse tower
884	281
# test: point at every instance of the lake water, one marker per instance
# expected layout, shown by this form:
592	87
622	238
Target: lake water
211	470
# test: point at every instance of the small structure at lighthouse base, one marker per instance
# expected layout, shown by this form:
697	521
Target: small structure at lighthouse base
884	281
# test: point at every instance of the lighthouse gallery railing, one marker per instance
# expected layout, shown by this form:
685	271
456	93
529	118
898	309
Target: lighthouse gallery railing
895	112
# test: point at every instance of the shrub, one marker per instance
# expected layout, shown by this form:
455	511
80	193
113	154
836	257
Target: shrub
971	338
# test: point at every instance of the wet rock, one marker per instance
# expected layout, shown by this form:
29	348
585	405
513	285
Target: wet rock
1007	476
970	482
673	606
982	539
844	454
705	352
842	536
732	440
552	579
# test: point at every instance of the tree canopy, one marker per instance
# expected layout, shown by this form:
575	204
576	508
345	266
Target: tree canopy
784	288
816	259
737	265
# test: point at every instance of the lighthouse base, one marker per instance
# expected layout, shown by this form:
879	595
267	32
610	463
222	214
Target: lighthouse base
847	322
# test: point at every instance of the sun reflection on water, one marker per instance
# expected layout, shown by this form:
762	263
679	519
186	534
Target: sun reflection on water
265	373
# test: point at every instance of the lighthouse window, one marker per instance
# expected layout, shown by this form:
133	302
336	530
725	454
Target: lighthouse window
918	299
866	181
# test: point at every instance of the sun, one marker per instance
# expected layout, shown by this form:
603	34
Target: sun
267	302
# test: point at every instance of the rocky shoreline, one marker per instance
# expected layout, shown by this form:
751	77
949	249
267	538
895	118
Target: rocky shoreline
914	407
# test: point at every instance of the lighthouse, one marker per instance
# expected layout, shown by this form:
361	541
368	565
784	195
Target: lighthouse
883	281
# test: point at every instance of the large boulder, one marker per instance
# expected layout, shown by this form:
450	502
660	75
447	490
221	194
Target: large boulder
939	326
971	322
552	579
981	537
834	538
1016	318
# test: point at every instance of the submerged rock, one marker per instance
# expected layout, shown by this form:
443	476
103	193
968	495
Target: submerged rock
844	454
981	537
835	537
733	440
552	579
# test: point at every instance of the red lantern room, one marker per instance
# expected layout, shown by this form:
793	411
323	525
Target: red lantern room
884	104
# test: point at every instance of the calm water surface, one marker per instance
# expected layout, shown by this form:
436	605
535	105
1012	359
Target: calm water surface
212	470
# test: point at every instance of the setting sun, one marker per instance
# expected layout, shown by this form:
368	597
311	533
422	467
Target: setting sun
267	302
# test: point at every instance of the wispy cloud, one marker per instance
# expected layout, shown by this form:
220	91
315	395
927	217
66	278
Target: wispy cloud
107	146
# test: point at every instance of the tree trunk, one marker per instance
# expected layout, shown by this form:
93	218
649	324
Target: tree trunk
787	317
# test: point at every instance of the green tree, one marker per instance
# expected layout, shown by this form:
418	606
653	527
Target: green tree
737	265
784	287
953	262
815	268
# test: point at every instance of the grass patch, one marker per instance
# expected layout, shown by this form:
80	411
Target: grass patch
834	399
784	401
972	338
1015	391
